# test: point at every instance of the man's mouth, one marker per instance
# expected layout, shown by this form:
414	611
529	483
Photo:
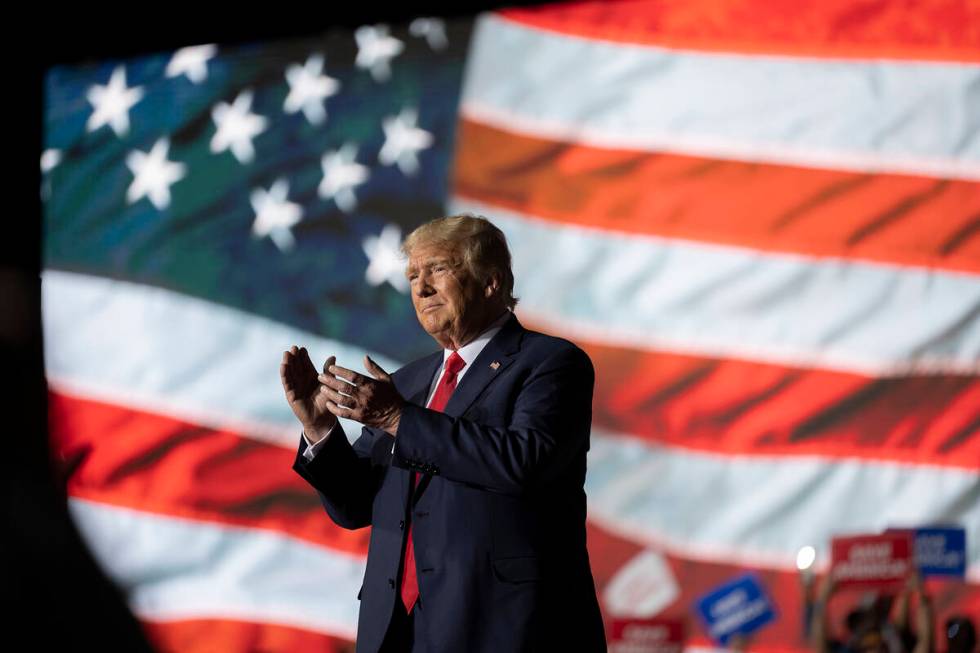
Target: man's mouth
430	307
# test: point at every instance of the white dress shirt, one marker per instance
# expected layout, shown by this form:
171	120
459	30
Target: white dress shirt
467	352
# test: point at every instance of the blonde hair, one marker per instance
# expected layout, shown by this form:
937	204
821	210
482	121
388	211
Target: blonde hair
478	246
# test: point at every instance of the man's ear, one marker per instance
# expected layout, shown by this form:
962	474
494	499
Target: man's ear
491	287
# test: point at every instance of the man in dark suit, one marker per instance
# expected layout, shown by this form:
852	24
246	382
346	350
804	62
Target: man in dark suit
470	467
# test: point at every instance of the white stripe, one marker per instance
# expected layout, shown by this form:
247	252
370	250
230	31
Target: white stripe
695	298
173	569
903	117
758	510
165	352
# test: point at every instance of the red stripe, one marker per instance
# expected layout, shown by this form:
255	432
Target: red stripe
947	30
741	407
159	464
608	553
900	219
135	459
227	636
150	462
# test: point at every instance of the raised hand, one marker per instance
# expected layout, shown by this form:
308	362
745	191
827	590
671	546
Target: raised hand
827	586
370	401
304	392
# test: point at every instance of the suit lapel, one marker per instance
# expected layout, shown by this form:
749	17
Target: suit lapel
496	356
416	392
417	388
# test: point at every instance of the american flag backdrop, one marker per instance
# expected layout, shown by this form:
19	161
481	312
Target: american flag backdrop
761	220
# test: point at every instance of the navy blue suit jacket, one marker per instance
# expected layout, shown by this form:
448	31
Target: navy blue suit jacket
499	514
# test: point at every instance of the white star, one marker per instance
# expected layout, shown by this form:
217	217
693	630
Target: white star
192	61
385	259
341	172
112	103
433	29
237	126
375	49
308	88
49	159
274	214
153	175
403	141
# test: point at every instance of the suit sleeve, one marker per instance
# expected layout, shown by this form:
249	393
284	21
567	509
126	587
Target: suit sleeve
346	477
548	428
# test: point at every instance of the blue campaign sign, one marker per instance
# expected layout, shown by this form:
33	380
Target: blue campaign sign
740	606
941	551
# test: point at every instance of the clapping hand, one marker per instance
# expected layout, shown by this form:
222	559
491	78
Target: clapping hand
371	401
306	395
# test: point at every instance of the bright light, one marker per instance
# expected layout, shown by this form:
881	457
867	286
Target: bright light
805	558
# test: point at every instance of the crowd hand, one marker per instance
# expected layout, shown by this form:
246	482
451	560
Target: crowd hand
827	586
738	643
307	397
371	401
913	583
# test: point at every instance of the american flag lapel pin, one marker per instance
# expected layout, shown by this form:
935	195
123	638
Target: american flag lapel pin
494	365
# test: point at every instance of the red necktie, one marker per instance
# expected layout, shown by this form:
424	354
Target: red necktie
410	581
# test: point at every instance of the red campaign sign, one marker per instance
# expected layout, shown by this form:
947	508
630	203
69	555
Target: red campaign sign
657	635
871	560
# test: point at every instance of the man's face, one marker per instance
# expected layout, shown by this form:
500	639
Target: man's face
448	302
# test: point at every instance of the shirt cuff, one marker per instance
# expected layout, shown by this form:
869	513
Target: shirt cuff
313	449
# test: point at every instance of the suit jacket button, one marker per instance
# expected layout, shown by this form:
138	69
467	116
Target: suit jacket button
391	583
401	524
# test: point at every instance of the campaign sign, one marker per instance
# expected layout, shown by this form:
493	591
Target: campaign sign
739	606
940	551
656	635
871	560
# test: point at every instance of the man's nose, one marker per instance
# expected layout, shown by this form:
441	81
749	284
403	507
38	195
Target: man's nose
422	286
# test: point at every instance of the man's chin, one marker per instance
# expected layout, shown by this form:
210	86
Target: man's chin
432	326
441	332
